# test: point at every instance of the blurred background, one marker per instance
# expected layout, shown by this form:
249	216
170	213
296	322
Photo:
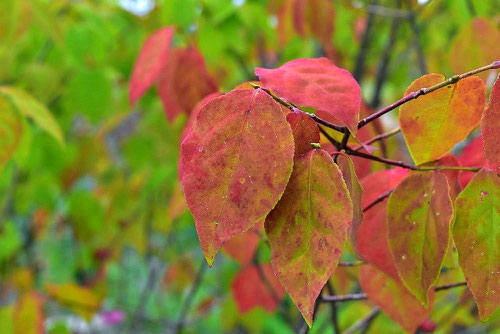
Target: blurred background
95	236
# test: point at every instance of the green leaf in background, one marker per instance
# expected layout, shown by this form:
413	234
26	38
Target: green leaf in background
10	240
31	108
11	129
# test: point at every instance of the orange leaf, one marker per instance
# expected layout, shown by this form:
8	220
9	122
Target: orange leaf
434	123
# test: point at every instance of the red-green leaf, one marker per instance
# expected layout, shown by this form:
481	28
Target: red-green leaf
319	84
257	286
356	191
434	123
307	228
243	246
234	165
305	131
184	82
372	233
392	297
150	63
490	128
419	213
476	233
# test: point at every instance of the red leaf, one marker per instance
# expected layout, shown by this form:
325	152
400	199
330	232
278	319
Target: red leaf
393	298
234	165
490	128
184	82
254	287
472	156
305	131
372	232
307	228
317	83
195	112
150	63
243	246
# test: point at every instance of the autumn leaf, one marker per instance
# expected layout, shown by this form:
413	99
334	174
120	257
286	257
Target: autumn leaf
305	131
28	314
317	83
476	44
11	128
476	233
419	213
242	247
234	165
28	106
393	298
256	286
184	81
356	191
490	128
434	123
150	63
372	242
307	228
81	300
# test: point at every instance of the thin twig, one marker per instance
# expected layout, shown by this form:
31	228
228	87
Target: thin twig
359	68
378	200
416	32
335	320
363	322
384	62
408	166
190	297
379	137
423	91
363	296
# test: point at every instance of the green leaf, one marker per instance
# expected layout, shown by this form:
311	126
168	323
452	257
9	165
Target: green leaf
476	233
307	228
11	129
10	240
32	108
419	213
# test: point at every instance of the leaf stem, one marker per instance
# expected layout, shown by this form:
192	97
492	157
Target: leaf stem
424	91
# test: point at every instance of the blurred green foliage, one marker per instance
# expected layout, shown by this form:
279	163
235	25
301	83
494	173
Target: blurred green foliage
94	207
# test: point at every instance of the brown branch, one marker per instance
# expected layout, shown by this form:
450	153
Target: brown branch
423	91
335	320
